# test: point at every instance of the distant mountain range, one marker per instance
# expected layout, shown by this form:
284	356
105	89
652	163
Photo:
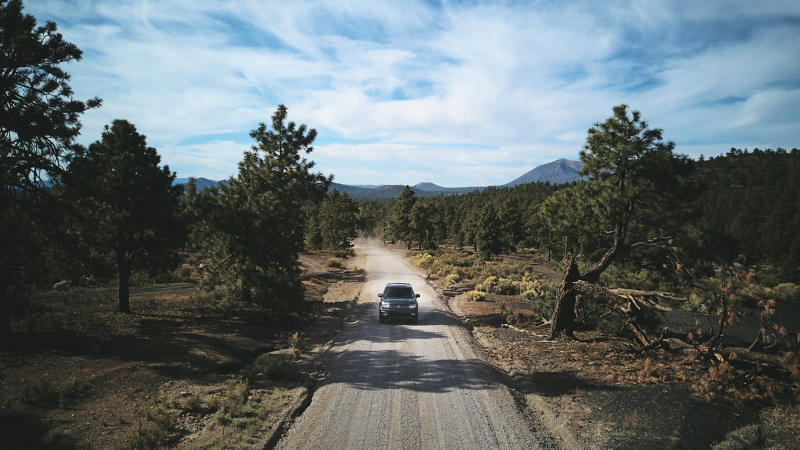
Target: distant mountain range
556	172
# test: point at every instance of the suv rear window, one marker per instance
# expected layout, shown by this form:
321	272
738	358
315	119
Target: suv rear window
398	292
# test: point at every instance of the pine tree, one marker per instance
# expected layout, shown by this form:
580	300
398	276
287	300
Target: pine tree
635	195
338	220
488	235
128	203
314	238
400	224
259	219
39	121
420	222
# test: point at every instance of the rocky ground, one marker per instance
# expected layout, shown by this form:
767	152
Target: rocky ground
79	375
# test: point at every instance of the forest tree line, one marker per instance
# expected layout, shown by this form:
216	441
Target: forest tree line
743	206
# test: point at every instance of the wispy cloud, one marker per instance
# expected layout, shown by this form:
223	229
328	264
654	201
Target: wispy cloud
456	94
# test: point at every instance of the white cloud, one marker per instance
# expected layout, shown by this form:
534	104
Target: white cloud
438	91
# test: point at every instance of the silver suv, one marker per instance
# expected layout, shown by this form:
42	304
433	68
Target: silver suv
398	300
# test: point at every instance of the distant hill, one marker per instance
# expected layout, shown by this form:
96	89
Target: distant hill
352	191
202	183
382	192
556	172
428	187
436	189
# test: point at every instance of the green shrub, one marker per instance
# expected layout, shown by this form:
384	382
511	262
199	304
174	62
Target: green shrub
146	437
610	324
453	278
506	286
786	292
275	367
40	391
298	344
58	438
193	403
474	296
508	315
236	397
531	290
62	286
333	262
423	260
213	404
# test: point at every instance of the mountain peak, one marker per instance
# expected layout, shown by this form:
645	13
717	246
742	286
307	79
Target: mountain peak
557	172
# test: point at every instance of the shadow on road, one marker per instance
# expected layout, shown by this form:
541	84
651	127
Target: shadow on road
392	369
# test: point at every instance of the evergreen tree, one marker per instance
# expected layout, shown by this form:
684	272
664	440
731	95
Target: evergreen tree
39	121
259	219
488	235
511	223
128	203
420	222
400	224
635	195
196	210
338	220
314	234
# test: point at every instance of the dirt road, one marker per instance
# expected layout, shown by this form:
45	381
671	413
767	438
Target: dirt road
400	385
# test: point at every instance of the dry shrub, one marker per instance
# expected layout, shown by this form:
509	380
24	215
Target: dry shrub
631	421
652	373
743	387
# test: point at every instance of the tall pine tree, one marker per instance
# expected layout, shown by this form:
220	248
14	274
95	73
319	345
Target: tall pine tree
259	220
127	203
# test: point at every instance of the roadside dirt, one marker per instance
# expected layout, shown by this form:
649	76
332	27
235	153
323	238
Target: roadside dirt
172	363
598	392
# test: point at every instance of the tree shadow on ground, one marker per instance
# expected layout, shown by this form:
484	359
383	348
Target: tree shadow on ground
556	384
192	347
393	369
666	416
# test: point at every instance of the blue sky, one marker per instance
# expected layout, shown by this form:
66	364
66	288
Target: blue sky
454	93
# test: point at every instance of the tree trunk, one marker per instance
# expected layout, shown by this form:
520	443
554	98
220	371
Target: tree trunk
564	310
5	307
124	284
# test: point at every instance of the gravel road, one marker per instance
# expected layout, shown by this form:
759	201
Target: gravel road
400	385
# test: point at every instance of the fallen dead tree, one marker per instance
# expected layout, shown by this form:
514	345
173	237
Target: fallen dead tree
628	302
